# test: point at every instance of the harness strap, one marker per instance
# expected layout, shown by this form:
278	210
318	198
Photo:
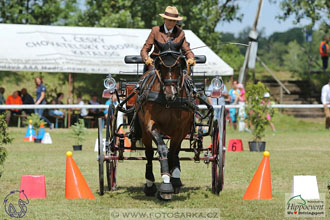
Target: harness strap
144	90
159	98
182	81
162	62
158	76
144	81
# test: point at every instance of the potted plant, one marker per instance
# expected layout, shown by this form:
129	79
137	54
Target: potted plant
36	122
79	130
4	139
257	111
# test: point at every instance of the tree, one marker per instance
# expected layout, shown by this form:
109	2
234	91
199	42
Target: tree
4	139
41	12
201	17
295	60
272	55
99	13
257	110
231	55
227	37
315	10
292	34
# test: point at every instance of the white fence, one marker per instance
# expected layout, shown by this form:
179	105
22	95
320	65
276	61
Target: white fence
105	106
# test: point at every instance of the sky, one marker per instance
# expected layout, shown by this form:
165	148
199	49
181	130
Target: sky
267	19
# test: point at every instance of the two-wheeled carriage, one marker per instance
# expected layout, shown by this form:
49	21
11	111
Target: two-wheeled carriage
134	100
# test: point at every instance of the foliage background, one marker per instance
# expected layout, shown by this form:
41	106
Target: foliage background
256	111
286	52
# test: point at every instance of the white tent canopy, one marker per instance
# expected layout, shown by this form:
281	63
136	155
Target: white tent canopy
39	48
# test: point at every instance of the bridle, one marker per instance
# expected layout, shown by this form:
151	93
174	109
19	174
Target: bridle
178	82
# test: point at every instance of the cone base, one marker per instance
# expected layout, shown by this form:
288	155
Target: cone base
29	139
259	198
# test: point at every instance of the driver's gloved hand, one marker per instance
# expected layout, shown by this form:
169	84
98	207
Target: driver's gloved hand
149	61
191	62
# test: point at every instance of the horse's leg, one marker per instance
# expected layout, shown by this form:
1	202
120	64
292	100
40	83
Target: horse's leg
166	188
174	164
150	187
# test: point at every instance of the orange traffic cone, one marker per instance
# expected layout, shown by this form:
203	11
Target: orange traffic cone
30	134
127	143
260	186
75	184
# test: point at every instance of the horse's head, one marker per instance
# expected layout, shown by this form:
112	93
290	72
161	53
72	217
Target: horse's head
170	64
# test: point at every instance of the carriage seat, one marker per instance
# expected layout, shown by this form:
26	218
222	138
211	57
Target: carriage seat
136	59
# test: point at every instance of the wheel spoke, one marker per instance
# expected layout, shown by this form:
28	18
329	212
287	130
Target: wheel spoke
101	157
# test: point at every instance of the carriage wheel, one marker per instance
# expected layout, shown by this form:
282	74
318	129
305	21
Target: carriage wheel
111	165
111	125
101	157
218	144
111	169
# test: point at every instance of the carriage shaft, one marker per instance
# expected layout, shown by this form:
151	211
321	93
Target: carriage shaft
155	149
108	158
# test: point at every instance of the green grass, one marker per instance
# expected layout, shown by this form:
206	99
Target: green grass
298	148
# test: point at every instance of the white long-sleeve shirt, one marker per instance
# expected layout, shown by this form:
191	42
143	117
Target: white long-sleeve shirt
325	96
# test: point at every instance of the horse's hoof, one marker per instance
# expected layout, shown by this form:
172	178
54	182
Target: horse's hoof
150	191
166	188
164	196
176	182
177	190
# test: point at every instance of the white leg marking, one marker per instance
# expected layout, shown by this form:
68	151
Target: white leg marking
149	183
176	173
166	178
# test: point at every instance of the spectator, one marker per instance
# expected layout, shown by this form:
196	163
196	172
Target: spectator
2	99
79	112
59	98
266	101
27	100
40	99
240	99
94	112
57	101
233	93
216	94
111	100
83	111
324	52
325	98
120	115
14	99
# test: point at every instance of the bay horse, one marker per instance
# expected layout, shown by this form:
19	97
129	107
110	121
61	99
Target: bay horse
162	108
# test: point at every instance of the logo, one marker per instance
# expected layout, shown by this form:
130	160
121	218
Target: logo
297	206
18	211
165	213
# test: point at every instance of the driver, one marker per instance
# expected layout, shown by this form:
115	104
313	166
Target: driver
163	33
